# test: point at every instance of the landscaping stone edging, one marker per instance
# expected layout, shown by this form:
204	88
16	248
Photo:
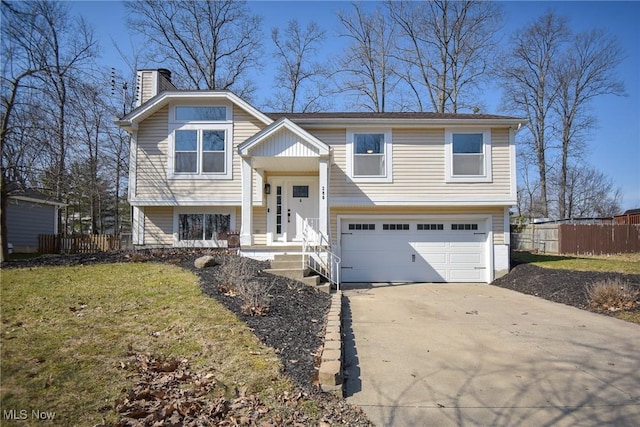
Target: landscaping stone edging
330	374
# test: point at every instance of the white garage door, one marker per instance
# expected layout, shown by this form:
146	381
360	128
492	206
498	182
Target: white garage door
425	250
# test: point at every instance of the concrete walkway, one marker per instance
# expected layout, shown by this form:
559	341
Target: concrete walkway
479	355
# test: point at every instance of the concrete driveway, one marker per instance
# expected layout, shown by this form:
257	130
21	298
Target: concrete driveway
479	355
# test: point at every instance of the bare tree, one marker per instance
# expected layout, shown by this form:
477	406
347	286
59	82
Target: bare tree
586	71
213	44
588	192
529	91
299	81
368	62
446	48
43	49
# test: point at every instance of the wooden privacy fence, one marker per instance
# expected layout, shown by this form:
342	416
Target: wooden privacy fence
598	239
79	244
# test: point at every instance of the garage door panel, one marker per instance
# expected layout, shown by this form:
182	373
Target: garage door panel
419	253
466	258
429	246
433	258
466	275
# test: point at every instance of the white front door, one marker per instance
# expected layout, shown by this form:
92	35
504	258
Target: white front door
292	200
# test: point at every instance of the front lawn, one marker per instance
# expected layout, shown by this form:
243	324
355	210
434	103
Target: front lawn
70	335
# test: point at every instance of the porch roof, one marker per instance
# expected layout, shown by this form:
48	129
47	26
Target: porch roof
283	138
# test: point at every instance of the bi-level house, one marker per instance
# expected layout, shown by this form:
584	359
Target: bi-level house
396	197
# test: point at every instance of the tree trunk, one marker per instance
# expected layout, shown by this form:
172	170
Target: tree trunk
4	255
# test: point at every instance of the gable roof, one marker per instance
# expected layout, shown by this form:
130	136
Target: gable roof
131	120
266	134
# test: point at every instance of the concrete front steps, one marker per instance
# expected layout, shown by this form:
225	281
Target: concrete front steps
291	266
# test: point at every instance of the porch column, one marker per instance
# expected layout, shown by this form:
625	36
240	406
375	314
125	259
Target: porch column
323	204
246	235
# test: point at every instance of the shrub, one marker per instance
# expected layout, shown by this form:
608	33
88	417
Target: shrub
233	272
139	257
255	297
240	277
613	295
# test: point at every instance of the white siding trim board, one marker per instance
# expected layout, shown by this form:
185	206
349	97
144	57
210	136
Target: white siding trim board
187	201
347	201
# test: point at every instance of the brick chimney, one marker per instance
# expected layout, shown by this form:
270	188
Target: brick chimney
152	82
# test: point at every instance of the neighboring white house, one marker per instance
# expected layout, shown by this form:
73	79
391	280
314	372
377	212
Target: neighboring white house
30	214
399	196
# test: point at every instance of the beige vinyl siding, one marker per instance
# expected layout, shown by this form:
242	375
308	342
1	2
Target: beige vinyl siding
151	156
418	167
158	225
147	86
497	216
152	162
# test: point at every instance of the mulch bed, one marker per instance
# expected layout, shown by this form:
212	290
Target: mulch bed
564	286
294	324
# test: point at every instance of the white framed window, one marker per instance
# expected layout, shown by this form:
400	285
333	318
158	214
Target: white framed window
468	155
202	227
200	142
369	155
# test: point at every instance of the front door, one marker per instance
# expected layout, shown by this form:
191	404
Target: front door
293	201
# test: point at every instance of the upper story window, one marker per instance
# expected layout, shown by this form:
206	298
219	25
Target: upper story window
369	156
200	113
468	156
200	142
200	151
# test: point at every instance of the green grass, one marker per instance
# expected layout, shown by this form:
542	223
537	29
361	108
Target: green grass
625	263
66	332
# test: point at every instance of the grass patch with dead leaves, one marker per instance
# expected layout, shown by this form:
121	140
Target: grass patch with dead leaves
68	334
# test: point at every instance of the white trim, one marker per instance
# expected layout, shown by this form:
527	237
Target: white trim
133	166
184	201
137	225
479	200
333	201
323	196
448	156
201	210
388	154
507	226
246	229
161	100
486	218
512	164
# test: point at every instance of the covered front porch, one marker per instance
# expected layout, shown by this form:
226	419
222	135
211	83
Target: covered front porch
284	187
